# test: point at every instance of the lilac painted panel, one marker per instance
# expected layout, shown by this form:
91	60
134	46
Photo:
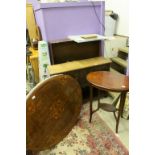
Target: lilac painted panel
41	23
64	4
58	20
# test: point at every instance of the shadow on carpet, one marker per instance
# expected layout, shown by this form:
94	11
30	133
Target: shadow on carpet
86	138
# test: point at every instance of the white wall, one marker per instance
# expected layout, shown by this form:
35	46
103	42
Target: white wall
121	7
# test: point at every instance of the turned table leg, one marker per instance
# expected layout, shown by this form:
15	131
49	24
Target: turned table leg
91	103
120	110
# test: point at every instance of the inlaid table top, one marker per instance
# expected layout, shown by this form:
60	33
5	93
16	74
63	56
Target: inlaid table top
52	109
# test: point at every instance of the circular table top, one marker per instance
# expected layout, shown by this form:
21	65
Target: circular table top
52	109
109	81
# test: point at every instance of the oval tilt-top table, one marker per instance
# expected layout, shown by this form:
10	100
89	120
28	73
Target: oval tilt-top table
108	81
52	109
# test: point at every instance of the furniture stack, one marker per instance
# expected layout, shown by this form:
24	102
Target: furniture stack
120	63
76	59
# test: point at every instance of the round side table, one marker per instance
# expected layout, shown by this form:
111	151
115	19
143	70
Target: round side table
108	81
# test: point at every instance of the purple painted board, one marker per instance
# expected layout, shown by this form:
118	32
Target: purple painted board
58	20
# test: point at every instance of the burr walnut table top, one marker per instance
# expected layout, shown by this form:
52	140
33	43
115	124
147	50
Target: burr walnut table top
52	109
